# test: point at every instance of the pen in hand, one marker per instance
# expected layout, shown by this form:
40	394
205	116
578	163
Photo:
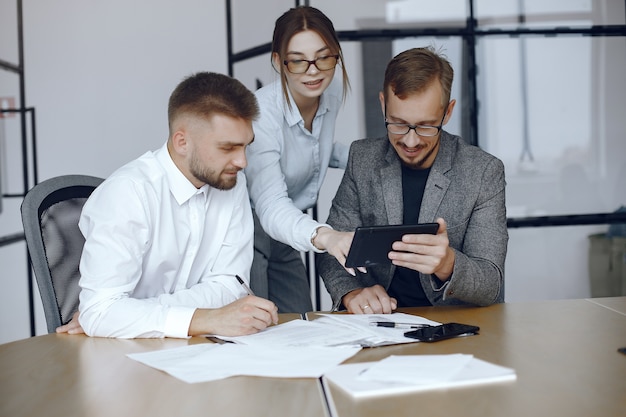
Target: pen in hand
244	285
398	325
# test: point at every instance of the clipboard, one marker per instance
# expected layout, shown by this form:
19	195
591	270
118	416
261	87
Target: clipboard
371	244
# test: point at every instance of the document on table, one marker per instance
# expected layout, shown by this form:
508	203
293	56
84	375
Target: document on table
336	330
412	373
298	348
208	362
372	335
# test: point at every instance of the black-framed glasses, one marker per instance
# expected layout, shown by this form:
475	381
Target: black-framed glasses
420	130
300	66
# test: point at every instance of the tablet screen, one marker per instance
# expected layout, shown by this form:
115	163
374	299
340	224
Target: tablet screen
371	244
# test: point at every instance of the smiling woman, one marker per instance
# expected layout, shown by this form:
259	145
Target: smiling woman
293	148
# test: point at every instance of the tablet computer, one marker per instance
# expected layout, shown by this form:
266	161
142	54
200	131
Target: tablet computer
371	244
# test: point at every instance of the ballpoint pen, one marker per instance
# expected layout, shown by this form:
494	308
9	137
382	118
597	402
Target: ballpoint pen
398	325
244	285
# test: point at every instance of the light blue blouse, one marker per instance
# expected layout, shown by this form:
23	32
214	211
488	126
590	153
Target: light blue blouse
287	163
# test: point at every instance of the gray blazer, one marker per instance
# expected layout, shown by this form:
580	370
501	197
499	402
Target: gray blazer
466	187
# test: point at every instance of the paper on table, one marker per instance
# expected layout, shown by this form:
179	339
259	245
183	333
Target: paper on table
335	330
299	333
350	377
371	335
209	362
417	369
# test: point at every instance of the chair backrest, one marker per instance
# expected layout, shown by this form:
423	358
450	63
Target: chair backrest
50	214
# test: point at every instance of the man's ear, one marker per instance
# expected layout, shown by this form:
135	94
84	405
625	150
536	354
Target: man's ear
179	142
449	111
381	97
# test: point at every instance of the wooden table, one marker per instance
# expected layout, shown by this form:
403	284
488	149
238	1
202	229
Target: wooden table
71	376
564	352
617	304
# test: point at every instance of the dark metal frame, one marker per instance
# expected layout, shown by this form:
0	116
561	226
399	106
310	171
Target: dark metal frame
470	33
22	111
567	220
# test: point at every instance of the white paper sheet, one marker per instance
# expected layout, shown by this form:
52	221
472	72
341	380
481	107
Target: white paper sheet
352	379
208	362
299	333
335	330
417	369
372	335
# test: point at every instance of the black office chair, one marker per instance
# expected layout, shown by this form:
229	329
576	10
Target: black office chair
50	213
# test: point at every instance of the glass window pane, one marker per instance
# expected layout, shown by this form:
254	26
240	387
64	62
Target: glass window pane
552	110
11	174
548	13
8	32
376	14
248	30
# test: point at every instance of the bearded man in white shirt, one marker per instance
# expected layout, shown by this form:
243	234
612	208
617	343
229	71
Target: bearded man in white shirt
168	235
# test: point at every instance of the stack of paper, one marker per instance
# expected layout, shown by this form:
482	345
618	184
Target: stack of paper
402	374
336	330
298	348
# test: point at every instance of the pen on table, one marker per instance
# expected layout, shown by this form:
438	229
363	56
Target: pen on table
398	325
244	285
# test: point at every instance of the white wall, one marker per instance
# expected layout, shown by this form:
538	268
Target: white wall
100	72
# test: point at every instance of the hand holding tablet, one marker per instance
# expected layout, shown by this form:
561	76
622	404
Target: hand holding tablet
371	244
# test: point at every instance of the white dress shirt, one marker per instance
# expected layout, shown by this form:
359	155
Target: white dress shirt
157	248
287	163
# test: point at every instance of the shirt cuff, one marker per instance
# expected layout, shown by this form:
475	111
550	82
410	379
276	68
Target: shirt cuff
178	321
314	234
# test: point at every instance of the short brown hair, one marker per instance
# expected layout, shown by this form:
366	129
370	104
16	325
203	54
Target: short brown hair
413	70
299	19
207	93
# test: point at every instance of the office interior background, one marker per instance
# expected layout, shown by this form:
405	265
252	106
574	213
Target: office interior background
551	105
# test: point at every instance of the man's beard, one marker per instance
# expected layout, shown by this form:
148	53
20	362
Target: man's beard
209	176
419	164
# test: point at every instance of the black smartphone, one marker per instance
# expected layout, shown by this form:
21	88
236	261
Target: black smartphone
441	332
371	244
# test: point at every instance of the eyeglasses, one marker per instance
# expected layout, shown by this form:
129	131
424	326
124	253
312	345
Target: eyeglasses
300	66
420	130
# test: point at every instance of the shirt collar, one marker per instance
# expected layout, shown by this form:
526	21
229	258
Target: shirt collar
293	116
181	188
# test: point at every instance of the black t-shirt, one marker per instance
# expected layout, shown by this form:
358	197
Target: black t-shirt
405	285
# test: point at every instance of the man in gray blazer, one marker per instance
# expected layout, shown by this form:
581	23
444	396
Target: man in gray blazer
420	173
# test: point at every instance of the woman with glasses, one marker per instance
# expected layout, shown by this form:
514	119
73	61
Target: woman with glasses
292	150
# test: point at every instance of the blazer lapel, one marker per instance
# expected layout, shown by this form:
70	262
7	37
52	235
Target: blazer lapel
391	179
437	183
